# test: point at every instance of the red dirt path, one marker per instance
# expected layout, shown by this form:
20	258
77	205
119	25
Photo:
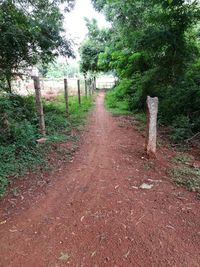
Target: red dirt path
96	214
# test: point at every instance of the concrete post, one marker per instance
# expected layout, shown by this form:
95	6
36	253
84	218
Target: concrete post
152	112
39	105
66	95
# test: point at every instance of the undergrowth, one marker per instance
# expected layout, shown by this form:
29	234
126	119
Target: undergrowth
176	113
120	106
19	151
117	107
183	173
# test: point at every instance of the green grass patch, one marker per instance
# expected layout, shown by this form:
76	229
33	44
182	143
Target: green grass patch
19	151
184	174
121	107
115	106
187	177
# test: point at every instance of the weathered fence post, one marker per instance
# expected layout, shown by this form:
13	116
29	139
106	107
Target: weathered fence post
86	89
89	86
66	96
95	85
152	112
79	92
39	105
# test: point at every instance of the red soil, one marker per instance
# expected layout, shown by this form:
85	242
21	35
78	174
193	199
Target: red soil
94	214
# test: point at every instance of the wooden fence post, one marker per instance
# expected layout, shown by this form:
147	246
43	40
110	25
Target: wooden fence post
39	105
89	86
66	96
152	113
95	85
86	88
79	92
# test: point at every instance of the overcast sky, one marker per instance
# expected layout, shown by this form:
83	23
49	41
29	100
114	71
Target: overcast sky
74	21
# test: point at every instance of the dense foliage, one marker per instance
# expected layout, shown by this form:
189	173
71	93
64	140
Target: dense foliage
92	46
154	50
19	151
30	32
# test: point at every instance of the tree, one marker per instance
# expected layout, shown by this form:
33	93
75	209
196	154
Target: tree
158	40
154	49
31	31
92	46
61	70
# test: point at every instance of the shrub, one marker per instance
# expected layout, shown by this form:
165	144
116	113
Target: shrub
111	99
181	129
23	134
19	131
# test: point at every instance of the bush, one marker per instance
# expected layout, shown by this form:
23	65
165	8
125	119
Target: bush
23	134
16	112
181	129
19	151
117	106
123	89
111	99
179	102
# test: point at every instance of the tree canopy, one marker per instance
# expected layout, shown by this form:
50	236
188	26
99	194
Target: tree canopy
31	31
154	50
92	46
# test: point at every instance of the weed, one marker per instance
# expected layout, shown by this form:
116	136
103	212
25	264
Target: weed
16	191
184	174
19	151
183	158
117	107
140	122
187	177
140	117
180	129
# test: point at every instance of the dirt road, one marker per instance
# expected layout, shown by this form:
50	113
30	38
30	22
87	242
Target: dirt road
96	215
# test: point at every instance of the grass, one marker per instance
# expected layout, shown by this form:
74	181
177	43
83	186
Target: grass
187	177
19	151
141	122
115	106
121	108
184	174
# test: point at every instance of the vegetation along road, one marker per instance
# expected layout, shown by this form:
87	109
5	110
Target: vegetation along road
109	207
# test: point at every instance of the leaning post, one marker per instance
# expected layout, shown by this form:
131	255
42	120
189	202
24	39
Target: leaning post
39	105
152	113
79	92
66	95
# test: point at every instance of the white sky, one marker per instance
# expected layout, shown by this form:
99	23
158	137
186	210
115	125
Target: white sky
74	21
